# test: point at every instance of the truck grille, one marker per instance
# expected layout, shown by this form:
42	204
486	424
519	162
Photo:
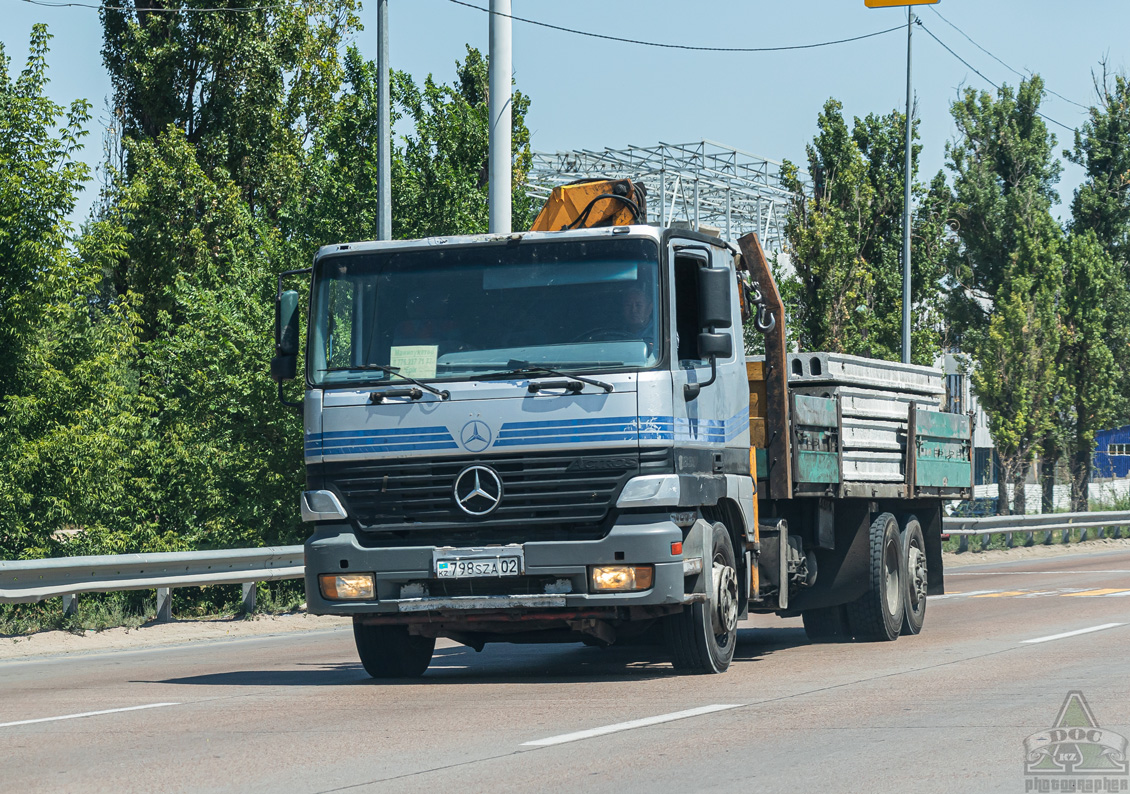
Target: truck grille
539	489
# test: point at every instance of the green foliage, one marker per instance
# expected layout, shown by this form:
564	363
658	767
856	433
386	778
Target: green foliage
1095	307
69	428
1008	281
1097	360
246	89
1102	203
137	414
39	177
845	243
440	178
1005	173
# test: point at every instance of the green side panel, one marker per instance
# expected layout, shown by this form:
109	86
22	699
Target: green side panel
943	473
944	455
938	425
762	458
819	467
814	412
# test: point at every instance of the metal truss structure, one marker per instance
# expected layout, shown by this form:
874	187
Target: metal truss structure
695	184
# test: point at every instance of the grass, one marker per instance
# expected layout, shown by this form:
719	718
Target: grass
1000	541
131	609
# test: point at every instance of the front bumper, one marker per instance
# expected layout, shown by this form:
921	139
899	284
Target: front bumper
634	540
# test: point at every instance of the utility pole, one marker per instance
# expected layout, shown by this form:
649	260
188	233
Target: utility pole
906	198
384	128
500	111
906	179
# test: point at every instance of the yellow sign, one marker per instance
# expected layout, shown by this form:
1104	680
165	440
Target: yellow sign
890	3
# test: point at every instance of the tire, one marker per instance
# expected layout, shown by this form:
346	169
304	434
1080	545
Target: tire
391	652
829	624
914	551
702	637
877	615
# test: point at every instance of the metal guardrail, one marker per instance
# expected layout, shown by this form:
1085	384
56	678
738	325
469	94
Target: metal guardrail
28	581
1050	523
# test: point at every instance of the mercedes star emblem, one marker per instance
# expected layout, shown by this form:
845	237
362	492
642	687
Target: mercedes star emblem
475	436
478	490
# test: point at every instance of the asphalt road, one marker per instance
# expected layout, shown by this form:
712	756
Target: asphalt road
945	711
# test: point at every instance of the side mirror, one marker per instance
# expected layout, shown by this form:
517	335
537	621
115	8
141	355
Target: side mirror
714	297
284	366
715	345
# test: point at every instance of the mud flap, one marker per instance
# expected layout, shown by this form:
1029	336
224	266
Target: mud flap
773	561
699	543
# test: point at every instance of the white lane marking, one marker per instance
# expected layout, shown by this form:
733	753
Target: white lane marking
86	714
964	595
627	726
1074	633
1019	573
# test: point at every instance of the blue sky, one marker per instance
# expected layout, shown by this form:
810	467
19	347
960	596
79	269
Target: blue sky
589	93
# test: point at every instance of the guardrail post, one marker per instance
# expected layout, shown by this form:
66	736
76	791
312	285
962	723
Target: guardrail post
1031	539
164	605
1008	540
1048	539
70	605
962	543
1066	536
985	540
1116	532
248	597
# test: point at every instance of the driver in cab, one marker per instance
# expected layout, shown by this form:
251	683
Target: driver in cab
638	315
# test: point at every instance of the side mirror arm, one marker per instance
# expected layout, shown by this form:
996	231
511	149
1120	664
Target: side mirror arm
691	390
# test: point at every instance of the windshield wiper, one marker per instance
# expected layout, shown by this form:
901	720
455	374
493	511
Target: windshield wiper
376	397
526	368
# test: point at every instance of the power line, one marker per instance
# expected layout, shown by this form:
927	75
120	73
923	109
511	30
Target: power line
48	4
986	79
1022	75
676	46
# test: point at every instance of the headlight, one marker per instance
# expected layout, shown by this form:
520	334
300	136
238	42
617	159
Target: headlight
622	578
347	586
321	506
651	490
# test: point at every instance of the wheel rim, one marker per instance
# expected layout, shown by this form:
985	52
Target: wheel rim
724	606
891	577
916	566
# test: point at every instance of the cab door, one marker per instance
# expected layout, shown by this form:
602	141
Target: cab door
706	422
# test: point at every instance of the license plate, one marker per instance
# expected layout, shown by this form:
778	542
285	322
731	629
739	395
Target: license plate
478	563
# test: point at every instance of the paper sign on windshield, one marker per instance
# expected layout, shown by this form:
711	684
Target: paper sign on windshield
415	361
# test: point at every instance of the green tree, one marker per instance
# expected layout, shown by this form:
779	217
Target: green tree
246	88
1095	305
441	176
845	243
1102	148
39	179
1009	271
71	433
1101	206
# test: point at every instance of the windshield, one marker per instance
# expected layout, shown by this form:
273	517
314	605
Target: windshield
478	311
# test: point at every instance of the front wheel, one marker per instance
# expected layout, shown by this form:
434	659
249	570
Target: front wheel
702	637
391	652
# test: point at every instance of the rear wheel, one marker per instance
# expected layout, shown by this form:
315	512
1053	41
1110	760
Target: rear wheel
703	636
877	615
914	549
829	624
391	652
